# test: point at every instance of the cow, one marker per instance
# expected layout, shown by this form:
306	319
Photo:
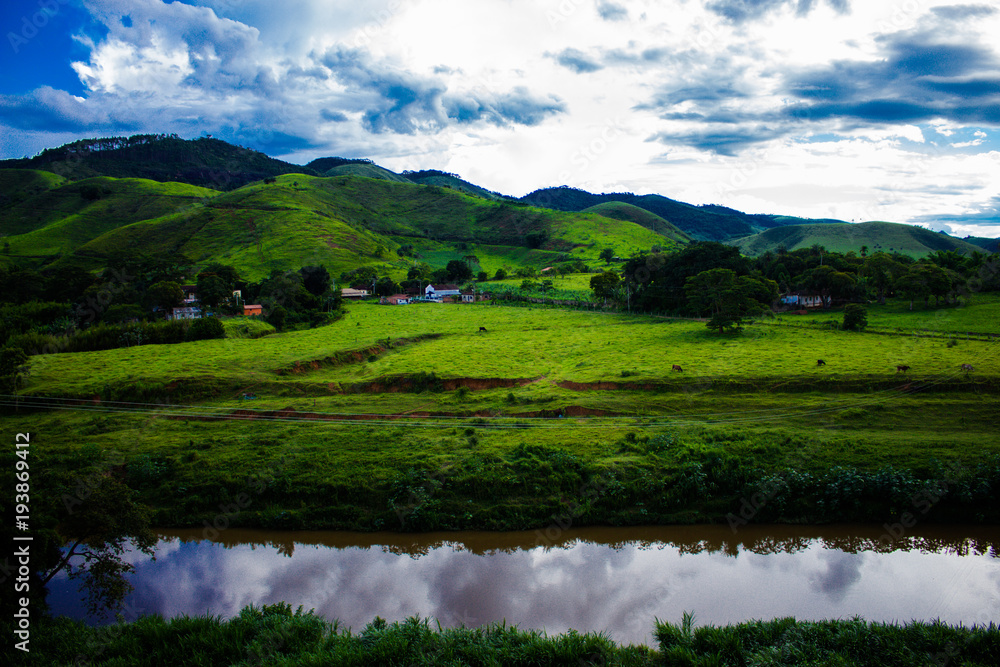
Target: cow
483	330
967	368
820	362
677	368
902	369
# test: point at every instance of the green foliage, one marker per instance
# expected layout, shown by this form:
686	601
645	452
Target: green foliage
730	299
206	328
855	317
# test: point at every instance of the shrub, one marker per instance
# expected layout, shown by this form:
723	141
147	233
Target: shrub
855	317
206	328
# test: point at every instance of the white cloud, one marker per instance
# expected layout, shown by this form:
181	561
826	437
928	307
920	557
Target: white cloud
813	109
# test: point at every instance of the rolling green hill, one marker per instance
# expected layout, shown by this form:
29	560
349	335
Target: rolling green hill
59	220
452	181
347	221
19	185
704	223
640	216
878	236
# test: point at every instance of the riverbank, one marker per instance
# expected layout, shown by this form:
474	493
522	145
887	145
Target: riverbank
276	635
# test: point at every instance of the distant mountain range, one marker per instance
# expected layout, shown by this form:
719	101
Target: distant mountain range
211	200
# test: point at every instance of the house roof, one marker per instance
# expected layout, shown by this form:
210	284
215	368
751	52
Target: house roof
443	287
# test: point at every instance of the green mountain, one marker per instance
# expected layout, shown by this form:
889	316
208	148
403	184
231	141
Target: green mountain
451	181
991	245
704	223
204	162
640	216
878	236
341	222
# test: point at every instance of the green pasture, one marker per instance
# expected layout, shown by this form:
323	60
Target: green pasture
978	312
549	345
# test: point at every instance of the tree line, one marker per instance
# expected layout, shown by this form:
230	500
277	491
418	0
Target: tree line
713	280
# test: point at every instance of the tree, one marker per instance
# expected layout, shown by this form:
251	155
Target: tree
276	317
212	290
458	270
206	328
855	317
361	277
921	280
482	277
500	275
101	526
730	299
607	255
881	270
316	279
386	286
13	368
605	284
419	271
165	295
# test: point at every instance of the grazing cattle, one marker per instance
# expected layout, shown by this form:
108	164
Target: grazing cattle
483	330
820	362
967	368
677	368
902	369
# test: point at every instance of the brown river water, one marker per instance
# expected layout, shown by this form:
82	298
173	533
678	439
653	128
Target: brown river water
613	580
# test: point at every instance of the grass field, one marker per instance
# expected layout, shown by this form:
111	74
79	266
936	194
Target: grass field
545	400
978	313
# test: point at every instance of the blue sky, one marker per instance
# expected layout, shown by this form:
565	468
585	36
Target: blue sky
886	110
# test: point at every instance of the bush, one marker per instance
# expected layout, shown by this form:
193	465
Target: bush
855	317
206	328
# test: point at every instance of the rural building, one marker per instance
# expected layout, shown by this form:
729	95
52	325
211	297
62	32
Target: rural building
354	294
395	300
802	300
185	313
190	293
440	291
253	310
468	296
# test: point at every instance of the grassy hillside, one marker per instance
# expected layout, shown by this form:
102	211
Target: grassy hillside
452	181
18	185
366	171
704	223
623	211
347	221
61	219
878	236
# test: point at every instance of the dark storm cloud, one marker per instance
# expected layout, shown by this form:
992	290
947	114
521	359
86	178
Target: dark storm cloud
739	11
395	100
611	11
963	12
578	61
920	77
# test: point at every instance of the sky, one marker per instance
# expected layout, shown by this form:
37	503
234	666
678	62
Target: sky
857	110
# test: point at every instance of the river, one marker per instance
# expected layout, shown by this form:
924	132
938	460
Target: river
614	580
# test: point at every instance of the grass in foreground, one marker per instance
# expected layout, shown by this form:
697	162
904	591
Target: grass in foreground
275	635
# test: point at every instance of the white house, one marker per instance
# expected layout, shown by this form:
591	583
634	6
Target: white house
185	313
432	292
